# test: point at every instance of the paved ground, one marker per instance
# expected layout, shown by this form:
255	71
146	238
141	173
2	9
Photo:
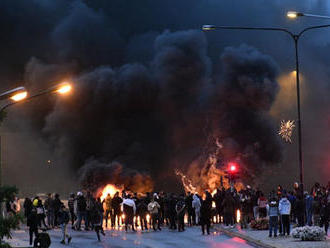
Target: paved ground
279	242
191	238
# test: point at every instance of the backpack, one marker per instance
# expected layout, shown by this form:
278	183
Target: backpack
42	240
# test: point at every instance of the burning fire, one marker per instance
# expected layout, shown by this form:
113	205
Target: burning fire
187	184
109	189
238	216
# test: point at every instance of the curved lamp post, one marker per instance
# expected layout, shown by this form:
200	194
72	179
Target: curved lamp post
20	94
295	38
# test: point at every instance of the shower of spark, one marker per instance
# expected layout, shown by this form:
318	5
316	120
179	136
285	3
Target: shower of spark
286	130
187	184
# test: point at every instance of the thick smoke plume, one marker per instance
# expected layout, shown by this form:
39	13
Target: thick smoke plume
151	94
95	175
241	130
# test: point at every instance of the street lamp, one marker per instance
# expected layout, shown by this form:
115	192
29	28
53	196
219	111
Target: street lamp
295	37
16	94
20	94
295	15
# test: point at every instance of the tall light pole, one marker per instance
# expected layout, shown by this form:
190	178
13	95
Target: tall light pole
20	94
295	37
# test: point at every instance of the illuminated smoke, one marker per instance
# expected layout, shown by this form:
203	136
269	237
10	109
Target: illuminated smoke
95	175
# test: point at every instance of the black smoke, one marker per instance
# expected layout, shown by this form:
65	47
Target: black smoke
150	88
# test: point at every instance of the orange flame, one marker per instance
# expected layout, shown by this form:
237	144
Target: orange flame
109	189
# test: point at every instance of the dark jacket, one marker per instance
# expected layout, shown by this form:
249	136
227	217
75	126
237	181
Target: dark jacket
81	204
63	217
32	220
228	204
116	201
205	211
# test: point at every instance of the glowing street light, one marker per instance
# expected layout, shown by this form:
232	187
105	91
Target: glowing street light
16	94
20	94
64	88
294	15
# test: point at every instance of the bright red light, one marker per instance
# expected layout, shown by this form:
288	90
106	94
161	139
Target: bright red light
232	167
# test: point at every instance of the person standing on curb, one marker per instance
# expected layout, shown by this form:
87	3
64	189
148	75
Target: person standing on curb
273	212
285	210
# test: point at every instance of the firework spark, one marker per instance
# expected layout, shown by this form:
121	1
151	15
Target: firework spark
286	130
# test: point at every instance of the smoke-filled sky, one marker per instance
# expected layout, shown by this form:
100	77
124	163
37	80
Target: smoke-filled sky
151	88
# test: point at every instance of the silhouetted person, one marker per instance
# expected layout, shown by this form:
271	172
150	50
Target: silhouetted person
116	201
32	223
205	219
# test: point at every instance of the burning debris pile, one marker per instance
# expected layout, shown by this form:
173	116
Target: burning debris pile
240	121
95	175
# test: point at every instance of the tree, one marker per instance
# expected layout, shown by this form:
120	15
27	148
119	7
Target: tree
11	221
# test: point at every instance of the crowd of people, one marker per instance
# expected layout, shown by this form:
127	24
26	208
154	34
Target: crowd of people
157	210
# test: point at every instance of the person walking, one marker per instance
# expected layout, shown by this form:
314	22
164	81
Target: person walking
81	210
142	211
285	210
97	219
41	214
273	212
49	206
190	210
180	211
205	219
63	219
108	209
89	209
27	207
153	208
71	202
57	205
129	208
32	223
196	205
115	204
172	212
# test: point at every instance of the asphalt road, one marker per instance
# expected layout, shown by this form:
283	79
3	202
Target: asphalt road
191	238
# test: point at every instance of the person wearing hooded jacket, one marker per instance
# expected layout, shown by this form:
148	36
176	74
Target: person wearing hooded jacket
129	211
196	205
273	212
285	210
